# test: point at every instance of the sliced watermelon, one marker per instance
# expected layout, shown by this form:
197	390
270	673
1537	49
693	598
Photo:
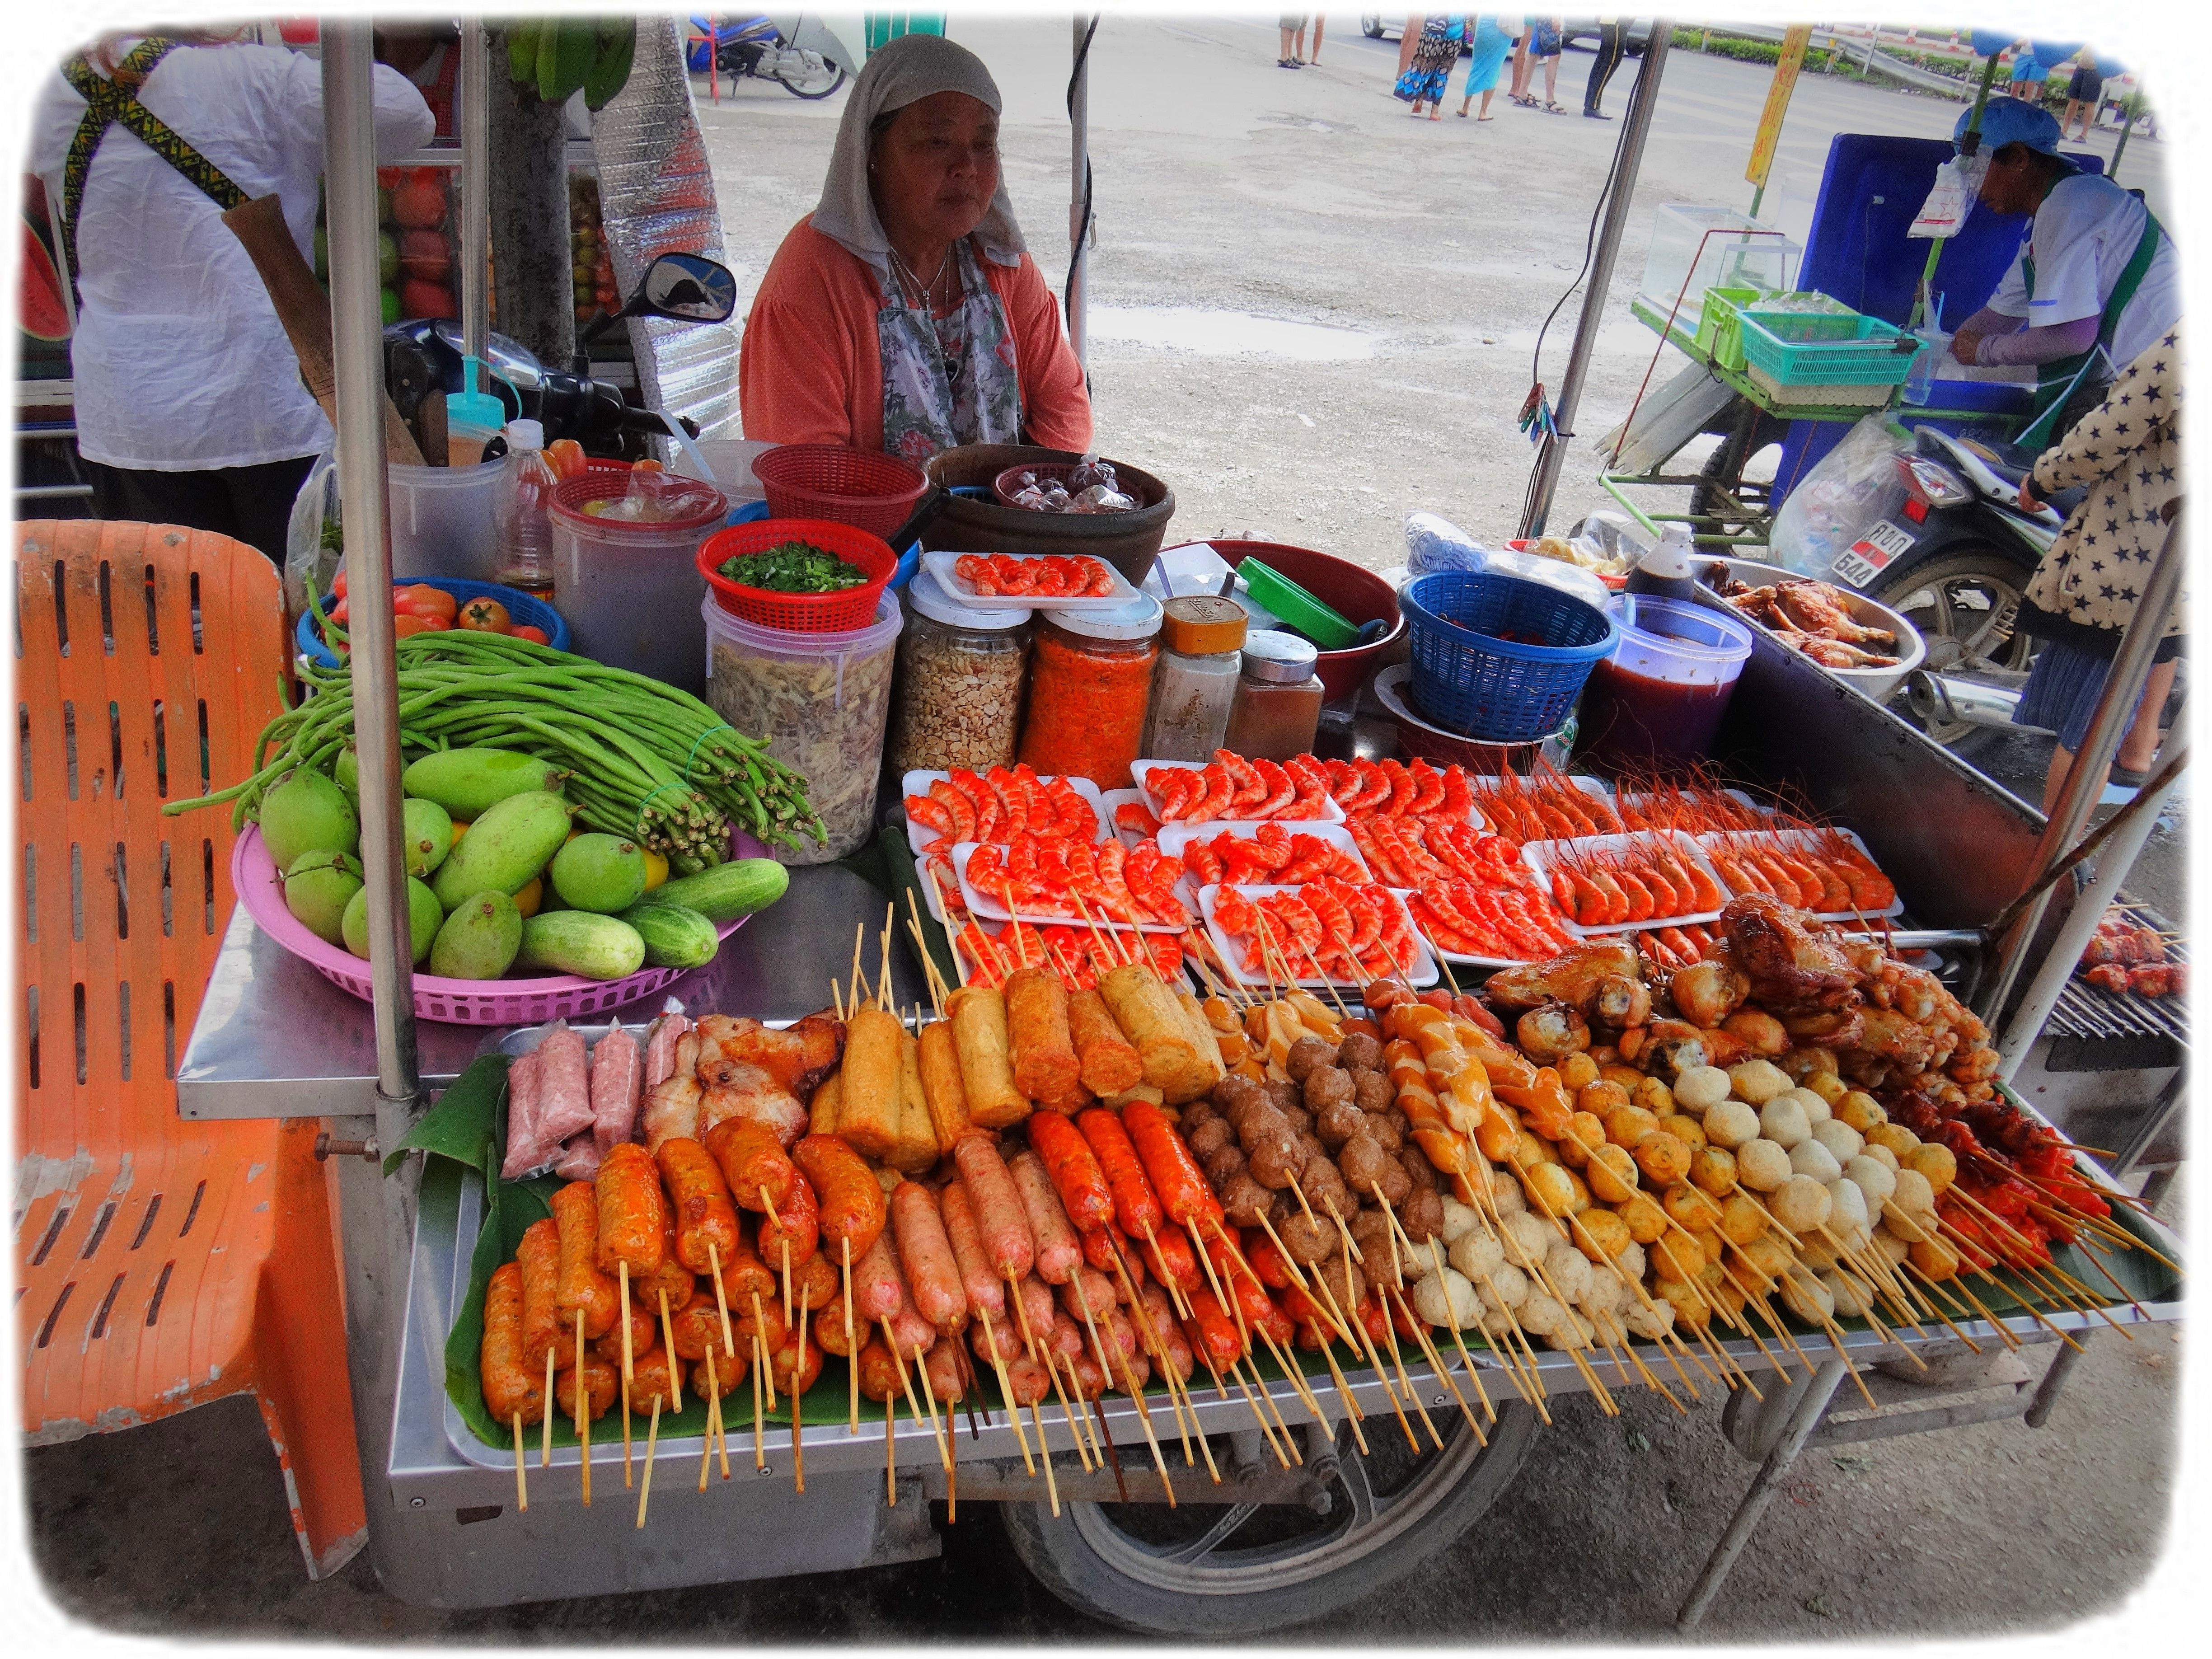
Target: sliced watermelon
44	312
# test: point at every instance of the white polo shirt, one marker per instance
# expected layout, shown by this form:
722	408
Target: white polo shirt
2084	234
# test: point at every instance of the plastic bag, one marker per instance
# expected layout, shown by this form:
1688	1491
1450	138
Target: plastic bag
1854	485
654	498
1957	186
1435	542
308	551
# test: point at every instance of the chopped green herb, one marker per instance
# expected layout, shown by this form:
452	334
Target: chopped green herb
793	568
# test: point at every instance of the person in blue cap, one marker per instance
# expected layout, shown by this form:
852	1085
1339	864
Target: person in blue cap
2096	282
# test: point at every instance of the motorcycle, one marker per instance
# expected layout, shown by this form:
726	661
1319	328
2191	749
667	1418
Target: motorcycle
808	59
1955	559
426	355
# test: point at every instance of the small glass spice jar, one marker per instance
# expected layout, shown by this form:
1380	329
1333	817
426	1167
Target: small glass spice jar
1278	697
1201	644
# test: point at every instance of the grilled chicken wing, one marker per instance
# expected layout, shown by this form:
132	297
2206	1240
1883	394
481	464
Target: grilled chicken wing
1571	978
671	1105
796	1058
1817	608
1795	965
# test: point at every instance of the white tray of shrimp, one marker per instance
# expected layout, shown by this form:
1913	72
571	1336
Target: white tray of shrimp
1629	807
987	905
1488	787
1117	591
922	836
1325	810
1176	839
1230	946
1135	828
1603	899
1825	850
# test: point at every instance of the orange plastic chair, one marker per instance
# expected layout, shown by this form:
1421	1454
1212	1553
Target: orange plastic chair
160	1264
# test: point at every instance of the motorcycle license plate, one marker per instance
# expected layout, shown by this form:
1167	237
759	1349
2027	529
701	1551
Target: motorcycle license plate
1866	558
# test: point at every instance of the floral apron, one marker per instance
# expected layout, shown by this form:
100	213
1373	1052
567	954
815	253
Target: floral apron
948	380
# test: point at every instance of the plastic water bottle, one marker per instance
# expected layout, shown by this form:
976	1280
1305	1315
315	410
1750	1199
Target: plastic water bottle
1664	572
521	533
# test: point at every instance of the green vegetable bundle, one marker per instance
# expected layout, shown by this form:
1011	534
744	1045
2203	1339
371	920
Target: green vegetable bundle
645	761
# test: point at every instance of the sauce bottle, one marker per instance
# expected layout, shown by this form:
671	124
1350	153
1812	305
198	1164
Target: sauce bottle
1664	572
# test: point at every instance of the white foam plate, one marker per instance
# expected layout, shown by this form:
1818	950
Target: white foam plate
918	836
1809	839
1111	798
1143	769
1540	855
940	565
1229	947
988	907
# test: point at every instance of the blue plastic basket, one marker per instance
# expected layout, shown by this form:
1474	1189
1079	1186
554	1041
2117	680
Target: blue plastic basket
1799	349
524	610
1468	680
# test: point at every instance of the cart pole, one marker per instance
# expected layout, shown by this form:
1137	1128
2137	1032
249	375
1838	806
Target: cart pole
357	349
1553	455
1079	206
476	192
2085	783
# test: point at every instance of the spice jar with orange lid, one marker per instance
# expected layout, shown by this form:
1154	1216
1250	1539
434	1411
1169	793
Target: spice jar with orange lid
1091	682
1201	643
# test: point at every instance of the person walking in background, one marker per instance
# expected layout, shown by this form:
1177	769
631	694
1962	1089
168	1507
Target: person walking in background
1314	56
1409	36
1539	45
2028	75
2083	94
1293	26
1434	56
1489	44
1609	33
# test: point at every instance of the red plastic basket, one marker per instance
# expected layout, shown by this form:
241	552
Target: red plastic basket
875	492
805	613
609	481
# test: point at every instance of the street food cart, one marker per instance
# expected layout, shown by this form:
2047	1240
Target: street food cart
1125	1523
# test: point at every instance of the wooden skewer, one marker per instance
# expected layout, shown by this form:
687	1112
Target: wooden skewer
583	1411
859	935
1437	1367
1087	1449
798	1434
890	1459
1051	1485
521	1461
760	1364
760	1326
624	1269
714	1400
721	1301
851	1349
906	1383
769	1209
1006	1390
652	1444
545	1451
1267	1429
1466	1359
1141	1318
1082	1303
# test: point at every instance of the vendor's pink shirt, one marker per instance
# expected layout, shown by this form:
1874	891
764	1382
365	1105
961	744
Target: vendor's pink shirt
809	371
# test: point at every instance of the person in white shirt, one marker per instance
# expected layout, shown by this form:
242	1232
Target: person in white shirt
189	408
2096	283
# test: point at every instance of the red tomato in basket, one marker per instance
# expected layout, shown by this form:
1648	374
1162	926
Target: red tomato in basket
484	617
568	458
420	599
337	584
535	635
404	624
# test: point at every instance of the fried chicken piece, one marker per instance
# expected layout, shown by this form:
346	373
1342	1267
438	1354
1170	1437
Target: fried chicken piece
797	1058
1817	608
1571	978
1795	965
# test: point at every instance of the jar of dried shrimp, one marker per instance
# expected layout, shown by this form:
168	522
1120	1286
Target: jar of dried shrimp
960	679
1091	681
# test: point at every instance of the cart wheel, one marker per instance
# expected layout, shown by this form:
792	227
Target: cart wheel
1964	605
1241	1570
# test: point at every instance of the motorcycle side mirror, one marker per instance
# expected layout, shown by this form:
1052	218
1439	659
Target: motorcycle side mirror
687	287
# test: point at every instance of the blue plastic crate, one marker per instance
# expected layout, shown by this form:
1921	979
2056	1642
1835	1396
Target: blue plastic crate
1470	680
522	609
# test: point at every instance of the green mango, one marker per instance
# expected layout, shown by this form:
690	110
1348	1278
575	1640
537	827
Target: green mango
466	782
346	771
387	256
479	940
506	846
424	918
605	874
427	835
305	811
318	886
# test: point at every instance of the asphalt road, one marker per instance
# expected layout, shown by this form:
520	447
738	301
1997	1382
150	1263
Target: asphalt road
1312	315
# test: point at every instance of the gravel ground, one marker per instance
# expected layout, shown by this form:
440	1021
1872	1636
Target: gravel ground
1415	262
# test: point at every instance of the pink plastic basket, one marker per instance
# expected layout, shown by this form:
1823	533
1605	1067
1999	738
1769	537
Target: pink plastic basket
452	1001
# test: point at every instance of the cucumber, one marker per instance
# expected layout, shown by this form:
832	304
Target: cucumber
724	892
466	783
675	935
578	942
505	849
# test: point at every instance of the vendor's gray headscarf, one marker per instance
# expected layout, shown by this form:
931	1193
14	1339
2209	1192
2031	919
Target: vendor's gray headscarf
912	67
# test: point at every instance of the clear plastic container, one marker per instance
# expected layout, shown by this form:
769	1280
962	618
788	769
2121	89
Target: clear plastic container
820	701
961	674
1201	643
628	587
521	532
1682	249
1658	700
1278	698
1090	683
441	520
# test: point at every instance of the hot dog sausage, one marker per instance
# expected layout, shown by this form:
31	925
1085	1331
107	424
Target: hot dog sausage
997	1206
770	1325
644	1332
938	1056
985	1292
1170	1257
1109	1064
602	1383
985	1329
1043	1049
797	1224
1087	1382
671	1277
1087	1289
815	1281
852	1204
877	1292
1136	1205
564	1086
724	1371
1099	1245
511	1387
829	1332
538	1256
1213	1332
699	1328
1175	1174
632	1212
752	1162
945	1380
744	1276
1058	1249
1036	1302
583	1288
797	1364
699	1204
933	1273
1074	1170
916	1335
1028	1380
654	1376
1167	1332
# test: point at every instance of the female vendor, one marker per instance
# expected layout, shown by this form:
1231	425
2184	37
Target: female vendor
903	314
